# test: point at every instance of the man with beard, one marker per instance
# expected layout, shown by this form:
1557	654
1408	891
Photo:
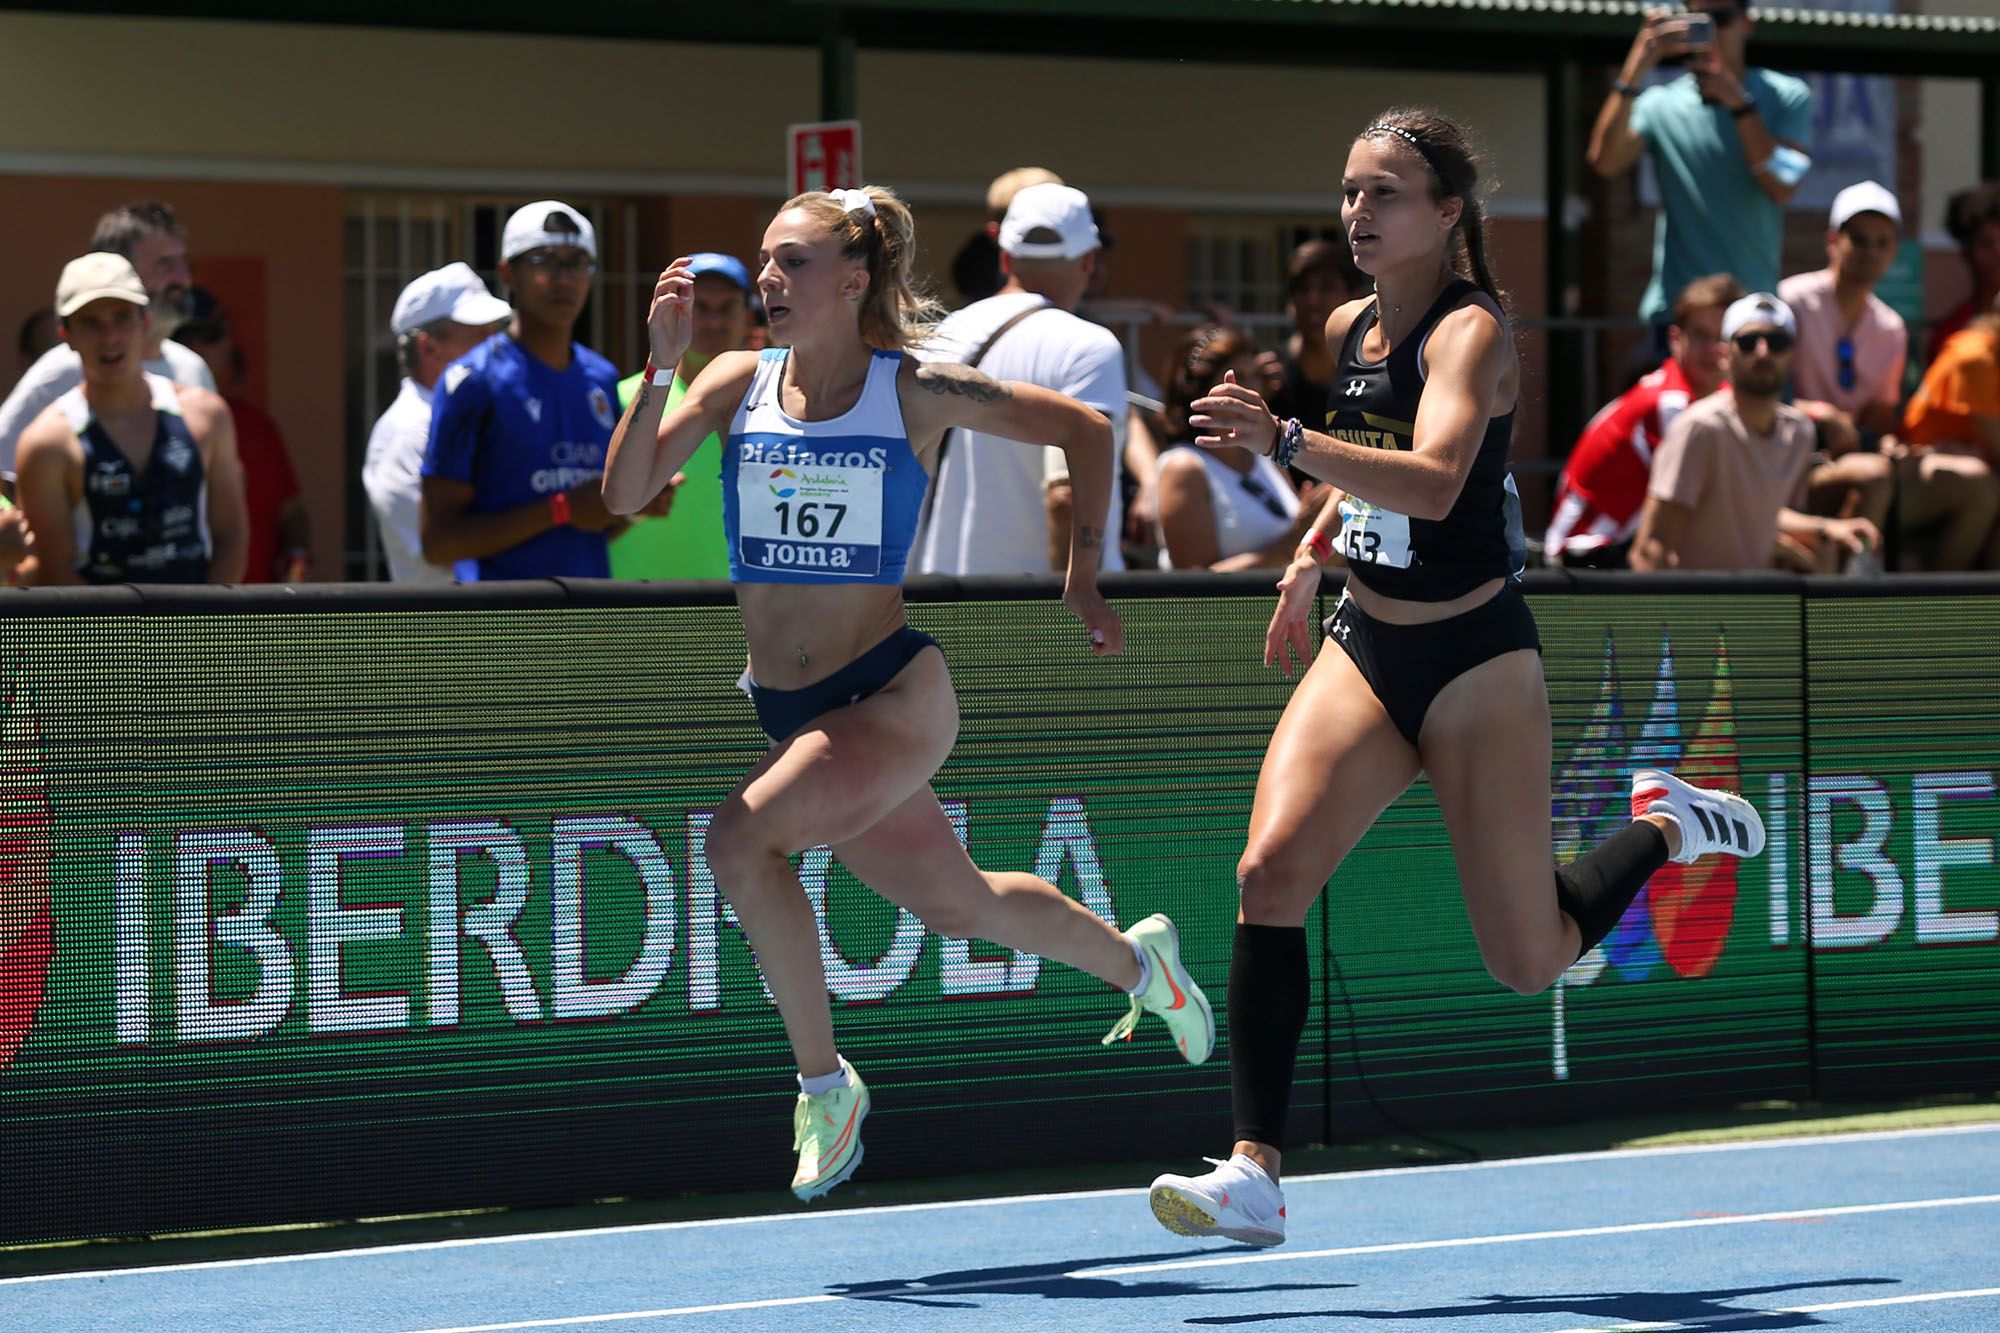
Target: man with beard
149	235
1730	477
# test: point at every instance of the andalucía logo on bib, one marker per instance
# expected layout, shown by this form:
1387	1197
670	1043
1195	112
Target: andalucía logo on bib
27	926
785	492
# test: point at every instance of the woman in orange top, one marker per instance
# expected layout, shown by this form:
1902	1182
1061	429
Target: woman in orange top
1956	411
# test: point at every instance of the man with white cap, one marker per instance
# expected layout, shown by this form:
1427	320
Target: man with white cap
1730	477
1848	376
991	510
128	477
521	424
148	235
438	318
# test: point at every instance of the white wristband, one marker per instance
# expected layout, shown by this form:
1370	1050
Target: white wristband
661	379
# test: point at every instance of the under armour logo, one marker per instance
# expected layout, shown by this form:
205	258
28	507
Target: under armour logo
535	409
1341	628
1355	388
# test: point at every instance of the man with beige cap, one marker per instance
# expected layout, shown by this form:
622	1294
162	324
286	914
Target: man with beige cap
439	317
150	236
128	477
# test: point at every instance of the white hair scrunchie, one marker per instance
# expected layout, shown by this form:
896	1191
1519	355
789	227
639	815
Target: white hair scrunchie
854	201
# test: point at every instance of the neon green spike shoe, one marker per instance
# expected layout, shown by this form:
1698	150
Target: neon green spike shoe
826	1134
1170	993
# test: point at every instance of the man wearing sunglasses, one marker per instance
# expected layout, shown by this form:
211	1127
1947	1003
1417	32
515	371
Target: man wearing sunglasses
1728	145
520	425
1847	374
1729	480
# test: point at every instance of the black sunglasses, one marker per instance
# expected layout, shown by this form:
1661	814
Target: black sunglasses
1845	351
1777	340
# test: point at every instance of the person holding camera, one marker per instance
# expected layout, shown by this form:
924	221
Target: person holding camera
1729	146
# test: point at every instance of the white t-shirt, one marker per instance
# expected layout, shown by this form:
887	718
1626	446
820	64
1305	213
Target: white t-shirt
989	515
392	474
1252	509
60	369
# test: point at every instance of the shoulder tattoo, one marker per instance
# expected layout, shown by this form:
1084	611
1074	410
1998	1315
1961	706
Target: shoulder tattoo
949	377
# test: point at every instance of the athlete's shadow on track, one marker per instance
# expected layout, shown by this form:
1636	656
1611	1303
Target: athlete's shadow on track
1050	1281
1703	1308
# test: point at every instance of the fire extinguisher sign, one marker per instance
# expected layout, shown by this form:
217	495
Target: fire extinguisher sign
825	155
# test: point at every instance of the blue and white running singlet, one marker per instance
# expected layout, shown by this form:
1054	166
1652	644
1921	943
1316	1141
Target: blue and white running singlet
820	501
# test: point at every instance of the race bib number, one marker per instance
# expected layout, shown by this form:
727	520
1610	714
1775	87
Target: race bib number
810	519
1370	535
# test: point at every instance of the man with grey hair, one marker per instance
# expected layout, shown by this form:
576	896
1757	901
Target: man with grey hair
438	318
149	235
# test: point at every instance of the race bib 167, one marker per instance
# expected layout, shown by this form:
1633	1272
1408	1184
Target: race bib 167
810	519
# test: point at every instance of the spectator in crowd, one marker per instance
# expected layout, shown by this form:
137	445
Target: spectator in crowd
1320	277
280	539
998	508
438	318
1729	480
128	477
1955	414
520	424
1222	509
692	544
1972	216
149	236
1603	483
1847	369
975	269
1728	145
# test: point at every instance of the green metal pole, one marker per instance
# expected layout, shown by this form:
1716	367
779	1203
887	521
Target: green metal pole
839	80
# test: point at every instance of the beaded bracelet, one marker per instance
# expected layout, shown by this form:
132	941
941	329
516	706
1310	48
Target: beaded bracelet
1291	433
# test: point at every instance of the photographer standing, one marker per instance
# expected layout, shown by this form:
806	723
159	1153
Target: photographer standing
1729	146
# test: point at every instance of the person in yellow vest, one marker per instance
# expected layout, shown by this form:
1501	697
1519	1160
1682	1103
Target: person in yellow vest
689	544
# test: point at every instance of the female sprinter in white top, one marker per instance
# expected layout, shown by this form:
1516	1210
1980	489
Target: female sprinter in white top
831	437
1432	662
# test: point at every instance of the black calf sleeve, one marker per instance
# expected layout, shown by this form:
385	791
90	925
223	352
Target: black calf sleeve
1270	992
1598	886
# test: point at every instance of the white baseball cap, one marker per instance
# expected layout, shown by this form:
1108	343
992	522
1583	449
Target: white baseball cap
1061	209
1864	197
529	229
93	277
1758	308
453	292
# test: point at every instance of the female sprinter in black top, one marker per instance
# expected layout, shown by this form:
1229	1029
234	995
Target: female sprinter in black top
1439	666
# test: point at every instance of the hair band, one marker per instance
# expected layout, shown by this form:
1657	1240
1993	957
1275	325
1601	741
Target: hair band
854	201
1423	150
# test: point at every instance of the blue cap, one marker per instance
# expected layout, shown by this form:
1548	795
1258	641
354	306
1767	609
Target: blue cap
727	266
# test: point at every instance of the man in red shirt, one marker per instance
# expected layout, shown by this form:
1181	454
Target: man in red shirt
280	539
1603	485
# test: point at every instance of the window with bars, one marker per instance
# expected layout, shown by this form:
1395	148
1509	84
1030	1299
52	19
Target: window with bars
1239	262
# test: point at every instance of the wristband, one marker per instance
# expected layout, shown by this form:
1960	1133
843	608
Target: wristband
1624	89
1749	108
659	379
559	509
1319	544
1286	447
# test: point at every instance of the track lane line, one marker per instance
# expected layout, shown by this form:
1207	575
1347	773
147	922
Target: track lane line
1236	1259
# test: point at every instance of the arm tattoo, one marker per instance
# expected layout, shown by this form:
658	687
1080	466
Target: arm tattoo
1089	538
645	395
942	377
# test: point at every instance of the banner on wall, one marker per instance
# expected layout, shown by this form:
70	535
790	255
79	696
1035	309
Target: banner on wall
346	913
